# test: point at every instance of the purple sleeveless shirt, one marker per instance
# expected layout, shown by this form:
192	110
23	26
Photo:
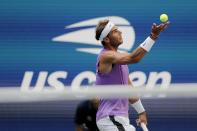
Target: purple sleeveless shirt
119	75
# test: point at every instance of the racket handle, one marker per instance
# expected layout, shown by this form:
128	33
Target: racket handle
144	127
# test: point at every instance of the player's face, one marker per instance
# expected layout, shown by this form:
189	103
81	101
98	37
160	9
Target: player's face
115	36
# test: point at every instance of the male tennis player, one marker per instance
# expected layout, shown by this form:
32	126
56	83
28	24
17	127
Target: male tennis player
112	69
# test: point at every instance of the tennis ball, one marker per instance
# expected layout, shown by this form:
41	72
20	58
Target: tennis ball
163	17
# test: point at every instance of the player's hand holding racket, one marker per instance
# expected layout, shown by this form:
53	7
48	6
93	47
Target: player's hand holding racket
142	121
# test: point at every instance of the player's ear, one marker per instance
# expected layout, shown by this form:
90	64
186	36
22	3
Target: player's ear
106	40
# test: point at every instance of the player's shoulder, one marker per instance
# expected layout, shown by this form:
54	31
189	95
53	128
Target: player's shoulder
109	54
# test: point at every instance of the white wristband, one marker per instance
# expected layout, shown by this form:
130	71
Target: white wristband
147	44
138	106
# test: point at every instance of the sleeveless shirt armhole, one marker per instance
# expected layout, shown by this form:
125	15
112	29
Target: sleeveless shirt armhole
97	71
98	67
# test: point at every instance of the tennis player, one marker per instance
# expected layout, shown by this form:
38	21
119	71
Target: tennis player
112	69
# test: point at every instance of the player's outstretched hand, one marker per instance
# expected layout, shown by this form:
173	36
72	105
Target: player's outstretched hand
156	30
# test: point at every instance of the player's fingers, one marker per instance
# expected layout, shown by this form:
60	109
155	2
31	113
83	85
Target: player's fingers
138	122
165	27
161	26
143	121
166	24
154	25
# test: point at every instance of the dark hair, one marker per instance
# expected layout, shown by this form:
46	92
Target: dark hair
101	25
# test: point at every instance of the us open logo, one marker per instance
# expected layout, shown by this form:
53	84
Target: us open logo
86	36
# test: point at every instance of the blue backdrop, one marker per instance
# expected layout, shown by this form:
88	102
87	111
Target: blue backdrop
28	27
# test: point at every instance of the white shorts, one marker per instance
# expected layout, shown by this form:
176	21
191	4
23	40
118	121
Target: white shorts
114	123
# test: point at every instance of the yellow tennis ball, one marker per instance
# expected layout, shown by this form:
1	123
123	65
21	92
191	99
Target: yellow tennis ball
163	17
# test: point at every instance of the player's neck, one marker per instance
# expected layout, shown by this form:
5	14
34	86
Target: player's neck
111	48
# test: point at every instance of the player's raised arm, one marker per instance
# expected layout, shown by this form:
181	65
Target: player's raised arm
123	58
137	55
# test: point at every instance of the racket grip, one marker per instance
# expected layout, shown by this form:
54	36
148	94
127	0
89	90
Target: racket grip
144	127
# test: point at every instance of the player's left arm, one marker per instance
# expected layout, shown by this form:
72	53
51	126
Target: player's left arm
132	100
136	103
